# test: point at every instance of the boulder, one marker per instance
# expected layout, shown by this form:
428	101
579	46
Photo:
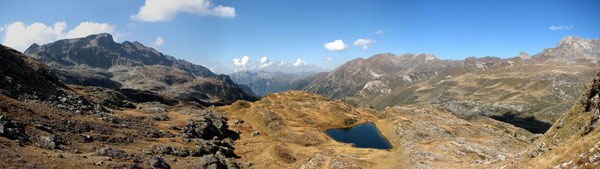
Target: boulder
158	163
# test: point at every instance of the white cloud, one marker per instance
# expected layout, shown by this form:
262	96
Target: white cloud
1	28
163	10
241	62
337	45
20	36
299	62
561	27
263	59
379	32
329	59
265	62
364	43
88	28
224	11
159	41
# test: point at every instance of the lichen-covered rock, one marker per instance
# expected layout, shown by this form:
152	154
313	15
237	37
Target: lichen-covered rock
47	141
12	130
158	163
110	152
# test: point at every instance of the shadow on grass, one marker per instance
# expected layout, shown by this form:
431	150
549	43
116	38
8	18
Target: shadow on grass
528	123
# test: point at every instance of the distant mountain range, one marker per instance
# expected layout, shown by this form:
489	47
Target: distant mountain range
528	91
97	60
262	82
123	105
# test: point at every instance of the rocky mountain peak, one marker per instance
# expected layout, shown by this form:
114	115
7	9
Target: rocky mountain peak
428	56
571	40
572	49
101	36
97	60
524	55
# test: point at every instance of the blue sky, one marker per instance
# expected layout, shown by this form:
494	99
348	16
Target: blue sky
285	31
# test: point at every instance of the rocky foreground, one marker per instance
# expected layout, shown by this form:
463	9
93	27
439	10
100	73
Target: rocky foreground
47	124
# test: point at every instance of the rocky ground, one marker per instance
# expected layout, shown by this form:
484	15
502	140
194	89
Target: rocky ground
47	124
573	141
37	134
527	91
286	130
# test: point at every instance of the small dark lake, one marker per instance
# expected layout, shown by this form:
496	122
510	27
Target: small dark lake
361	136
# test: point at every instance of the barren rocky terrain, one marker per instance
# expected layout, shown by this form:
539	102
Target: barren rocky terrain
526	91
47	123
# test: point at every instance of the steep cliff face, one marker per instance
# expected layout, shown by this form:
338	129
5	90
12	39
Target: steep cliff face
97	60
22	77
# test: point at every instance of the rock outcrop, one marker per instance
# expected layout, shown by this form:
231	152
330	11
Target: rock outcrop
573	141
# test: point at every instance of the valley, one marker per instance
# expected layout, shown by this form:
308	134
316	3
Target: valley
66	112
335	84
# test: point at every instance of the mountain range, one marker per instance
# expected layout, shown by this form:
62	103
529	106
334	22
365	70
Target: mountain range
97	60
262	83
527	91
93	103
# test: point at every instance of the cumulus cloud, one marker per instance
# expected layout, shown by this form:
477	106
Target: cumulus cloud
88	28
263	59
21	36
162	10
299	62
159	41
264	62
364	43
241	61
246	63
379	32
337	45
561	27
